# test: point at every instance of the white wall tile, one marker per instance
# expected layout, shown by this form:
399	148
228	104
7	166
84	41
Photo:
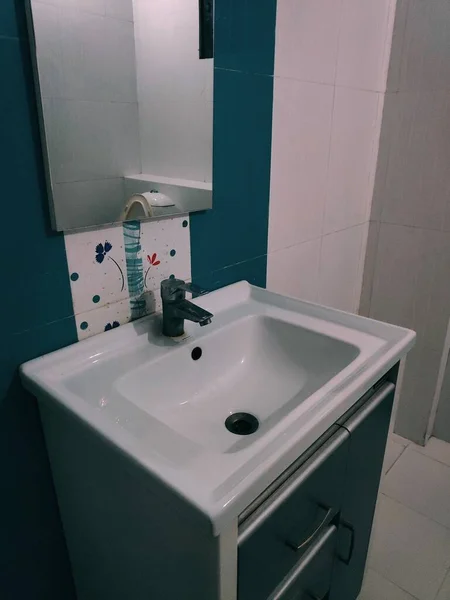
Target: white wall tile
322	176
98	57
102	319
354	148
395	284
161	238
78	139
364	44
294	271
48	49
95	284
119	77
409	550
410	285
417	182
426	51
370	260
398	38
124	136
91	140
412	190
340	273
307	39
175	90
98	276
83	54
81	202
417	392
96	7
300	148
119	9
168	147
92	6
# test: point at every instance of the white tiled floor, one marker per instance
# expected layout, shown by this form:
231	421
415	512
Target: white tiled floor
409	558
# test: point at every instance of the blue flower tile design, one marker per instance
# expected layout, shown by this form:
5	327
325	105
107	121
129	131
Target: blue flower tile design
101	251
142	253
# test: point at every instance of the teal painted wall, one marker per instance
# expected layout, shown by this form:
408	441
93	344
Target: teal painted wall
229	243
36	317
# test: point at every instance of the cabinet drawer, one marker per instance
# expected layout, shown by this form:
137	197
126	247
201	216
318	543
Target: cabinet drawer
274	538
310	579
368	426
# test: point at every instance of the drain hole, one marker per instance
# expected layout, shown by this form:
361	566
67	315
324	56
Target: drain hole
196	353
242	423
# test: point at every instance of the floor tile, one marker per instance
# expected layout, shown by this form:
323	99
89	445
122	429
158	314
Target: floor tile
398	439
409	550
422	484
444	592
393	452
376	587
437	449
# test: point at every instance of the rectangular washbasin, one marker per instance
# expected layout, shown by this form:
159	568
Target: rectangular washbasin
257	365
293	367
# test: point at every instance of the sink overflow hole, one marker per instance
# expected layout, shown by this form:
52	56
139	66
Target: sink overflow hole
196	353
242	423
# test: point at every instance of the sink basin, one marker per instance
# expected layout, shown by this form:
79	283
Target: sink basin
294	367
257	365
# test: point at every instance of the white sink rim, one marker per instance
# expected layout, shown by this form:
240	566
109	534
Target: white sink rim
222	485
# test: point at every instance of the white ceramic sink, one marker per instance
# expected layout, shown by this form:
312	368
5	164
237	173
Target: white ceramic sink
257	364
295	366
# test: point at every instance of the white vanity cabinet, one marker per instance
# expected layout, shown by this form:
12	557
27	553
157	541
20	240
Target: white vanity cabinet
304	538
161	500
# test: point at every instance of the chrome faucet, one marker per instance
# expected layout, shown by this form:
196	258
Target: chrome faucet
176	308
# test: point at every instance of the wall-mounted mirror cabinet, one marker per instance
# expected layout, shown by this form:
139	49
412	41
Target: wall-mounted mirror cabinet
125	91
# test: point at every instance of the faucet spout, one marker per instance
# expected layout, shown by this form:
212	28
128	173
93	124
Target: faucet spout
184	309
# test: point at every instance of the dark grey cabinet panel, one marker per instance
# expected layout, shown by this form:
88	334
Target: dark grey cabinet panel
276	536
368	429
311	578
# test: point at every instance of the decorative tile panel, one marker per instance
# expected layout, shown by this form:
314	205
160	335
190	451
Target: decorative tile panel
97	269
116	272
103	319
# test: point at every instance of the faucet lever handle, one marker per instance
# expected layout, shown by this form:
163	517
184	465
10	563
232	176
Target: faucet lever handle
196	290
170	287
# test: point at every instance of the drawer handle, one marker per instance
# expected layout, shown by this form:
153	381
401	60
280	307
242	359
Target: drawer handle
316	531
349	556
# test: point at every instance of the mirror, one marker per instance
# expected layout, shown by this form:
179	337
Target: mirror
125	90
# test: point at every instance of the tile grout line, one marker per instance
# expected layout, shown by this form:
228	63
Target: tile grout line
428	518
396	460
431	457
393	583
319	237
109	304
446	527
442	584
